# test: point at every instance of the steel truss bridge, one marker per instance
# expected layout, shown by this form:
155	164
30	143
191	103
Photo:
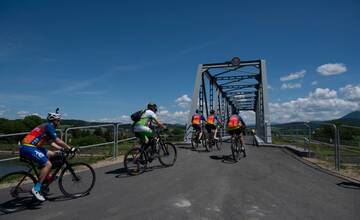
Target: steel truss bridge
235	84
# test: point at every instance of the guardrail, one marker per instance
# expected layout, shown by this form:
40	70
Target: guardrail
66	136
334	140
21	134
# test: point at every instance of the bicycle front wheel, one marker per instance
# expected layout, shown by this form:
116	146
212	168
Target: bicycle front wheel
15	190
77	179
167	154
135	161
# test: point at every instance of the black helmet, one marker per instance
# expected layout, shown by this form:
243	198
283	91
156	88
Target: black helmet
234	111
197	111
212	111
152	106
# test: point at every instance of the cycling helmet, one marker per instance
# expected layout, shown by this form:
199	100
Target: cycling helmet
235	111
53	116
212	111
152	106
197	111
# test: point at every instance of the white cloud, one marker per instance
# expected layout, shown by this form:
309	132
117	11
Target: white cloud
331	69
322	104
270	87
125	119
350	92
323	94
177	117
23	114
314	83
291	85
293	76
183	101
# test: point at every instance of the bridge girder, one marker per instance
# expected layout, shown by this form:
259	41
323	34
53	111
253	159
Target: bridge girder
226	86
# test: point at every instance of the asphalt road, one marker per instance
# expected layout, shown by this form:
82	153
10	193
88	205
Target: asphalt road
269	183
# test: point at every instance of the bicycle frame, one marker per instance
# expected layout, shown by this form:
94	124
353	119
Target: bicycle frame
34	168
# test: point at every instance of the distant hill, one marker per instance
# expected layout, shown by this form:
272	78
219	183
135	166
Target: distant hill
353	119
352	115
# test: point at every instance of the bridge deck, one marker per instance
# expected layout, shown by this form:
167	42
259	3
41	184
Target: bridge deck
268	184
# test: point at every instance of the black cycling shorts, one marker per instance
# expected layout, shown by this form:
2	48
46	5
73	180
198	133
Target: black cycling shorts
235	131
210	127
196	127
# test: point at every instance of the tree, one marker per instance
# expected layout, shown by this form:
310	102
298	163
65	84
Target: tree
31	121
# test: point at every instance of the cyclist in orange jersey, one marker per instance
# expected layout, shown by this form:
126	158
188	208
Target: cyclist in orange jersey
212	123
196	120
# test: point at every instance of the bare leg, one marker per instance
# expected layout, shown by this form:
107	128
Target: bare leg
45	171
215	133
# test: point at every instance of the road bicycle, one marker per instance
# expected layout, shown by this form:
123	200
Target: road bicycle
137	158
237	147
195	140
211	141
76	179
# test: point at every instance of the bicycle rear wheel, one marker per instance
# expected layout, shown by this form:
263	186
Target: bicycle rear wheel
243	149
167	154
77	179
135	161
15	190
235	150
194	141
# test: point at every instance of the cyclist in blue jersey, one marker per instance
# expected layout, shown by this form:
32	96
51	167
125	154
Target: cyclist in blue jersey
32	148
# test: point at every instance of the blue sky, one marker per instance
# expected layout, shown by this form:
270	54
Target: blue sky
102	60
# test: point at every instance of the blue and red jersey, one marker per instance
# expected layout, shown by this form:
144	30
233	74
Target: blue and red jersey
41	134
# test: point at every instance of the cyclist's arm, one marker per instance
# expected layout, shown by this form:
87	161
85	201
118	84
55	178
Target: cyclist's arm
219	122
59	144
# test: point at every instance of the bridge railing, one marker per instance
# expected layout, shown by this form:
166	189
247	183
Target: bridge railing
96	143
332	146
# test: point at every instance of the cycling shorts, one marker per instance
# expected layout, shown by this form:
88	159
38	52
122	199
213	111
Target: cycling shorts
237	131
36	154
196	127
210	127
143	132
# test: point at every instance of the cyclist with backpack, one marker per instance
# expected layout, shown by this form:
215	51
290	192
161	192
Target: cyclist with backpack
143	122
32	149
236	126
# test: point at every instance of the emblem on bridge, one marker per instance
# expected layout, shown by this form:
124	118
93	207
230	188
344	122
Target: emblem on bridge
235	84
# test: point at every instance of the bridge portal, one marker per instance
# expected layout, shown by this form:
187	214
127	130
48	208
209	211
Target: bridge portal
235	84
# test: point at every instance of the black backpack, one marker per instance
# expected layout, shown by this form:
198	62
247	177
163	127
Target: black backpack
136	116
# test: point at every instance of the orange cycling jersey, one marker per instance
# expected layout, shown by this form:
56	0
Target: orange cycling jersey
196	119
234	122
210	120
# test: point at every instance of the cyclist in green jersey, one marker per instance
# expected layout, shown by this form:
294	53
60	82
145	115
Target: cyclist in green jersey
143	128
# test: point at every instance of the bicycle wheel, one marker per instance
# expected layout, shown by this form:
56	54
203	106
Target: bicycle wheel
167	154
243	149
218	144
235	150
15	190
194	141
77	179
135	161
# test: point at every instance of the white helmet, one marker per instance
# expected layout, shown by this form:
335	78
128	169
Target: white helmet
54	116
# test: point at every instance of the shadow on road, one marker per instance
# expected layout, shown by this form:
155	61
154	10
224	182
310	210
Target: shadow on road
349	185
28	203
223	158
122	172
16	205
